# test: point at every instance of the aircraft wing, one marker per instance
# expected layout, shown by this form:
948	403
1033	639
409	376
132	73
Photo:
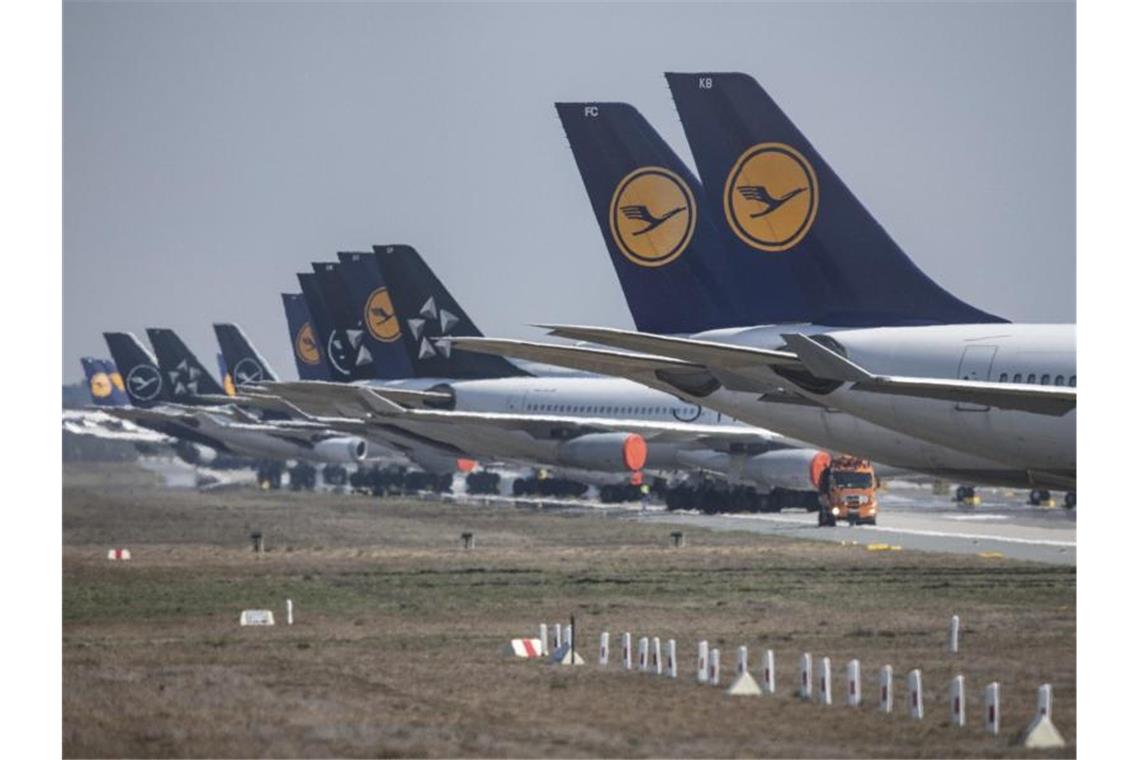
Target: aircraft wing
704	352
99	424
641	368
1039	399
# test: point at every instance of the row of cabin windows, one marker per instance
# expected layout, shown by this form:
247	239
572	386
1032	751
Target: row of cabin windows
642	410
1046	379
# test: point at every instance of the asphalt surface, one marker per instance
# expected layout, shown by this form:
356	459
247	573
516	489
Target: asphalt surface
914	519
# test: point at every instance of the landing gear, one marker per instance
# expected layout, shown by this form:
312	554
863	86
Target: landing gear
269	474
483	483
1039	496
302	477
964	493
1071	500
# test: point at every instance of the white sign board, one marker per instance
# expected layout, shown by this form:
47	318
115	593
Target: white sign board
257	617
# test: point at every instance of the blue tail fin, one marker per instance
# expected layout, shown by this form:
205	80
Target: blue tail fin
375	317
186	377
653	216
101	378
240	360
345	351
786	214
427	312
141	376
307	352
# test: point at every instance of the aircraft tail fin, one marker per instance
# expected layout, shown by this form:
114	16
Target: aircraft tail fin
103	382
240	360
370	301
783	209
348	356
185	375
303	338
429	314
141	376
654	218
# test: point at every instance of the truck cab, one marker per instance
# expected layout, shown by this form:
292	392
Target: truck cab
847	492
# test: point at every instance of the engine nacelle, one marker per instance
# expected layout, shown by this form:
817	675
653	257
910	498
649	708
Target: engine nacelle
342	450
195	453
793	469
609	452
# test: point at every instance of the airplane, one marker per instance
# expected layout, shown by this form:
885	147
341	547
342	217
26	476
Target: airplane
169	395
494	409
818	268
106	388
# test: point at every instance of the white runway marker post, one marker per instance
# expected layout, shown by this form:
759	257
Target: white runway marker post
604	649
958	701
824	682
544	637
993	708
569	636
558	635
655	656
671	658
627	651
914	693
1045	700
741	661
702	662
643	654
289	611
954	626
854	684
768	671
714	667
805	676
886	689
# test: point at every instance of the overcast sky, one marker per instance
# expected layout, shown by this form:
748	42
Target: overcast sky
212	150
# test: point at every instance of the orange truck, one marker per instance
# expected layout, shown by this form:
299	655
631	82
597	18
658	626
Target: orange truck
847	492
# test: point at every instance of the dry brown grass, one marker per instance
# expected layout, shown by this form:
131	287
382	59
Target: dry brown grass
396	651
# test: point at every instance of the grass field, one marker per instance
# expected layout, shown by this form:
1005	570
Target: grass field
396	649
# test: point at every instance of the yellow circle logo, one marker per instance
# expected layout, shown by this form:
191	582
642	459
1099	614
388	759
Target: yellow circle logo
771	197
100	385
381	317
117	381
652	216
306	345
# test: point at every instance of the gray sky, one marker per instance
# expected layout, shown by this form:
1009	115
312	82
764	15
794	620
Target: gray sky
212	150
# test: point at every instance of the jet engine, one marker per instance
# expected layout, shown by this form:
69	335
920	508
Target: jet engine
793	469
195	453
610	452
342	450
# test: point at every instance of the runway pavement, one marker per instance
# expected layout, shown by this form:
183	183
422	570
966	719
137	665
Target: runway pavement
914	519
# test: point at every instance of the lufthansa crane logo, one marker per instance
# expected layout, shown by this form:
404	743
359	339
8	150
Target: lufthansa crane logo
117	381
771	197
380	317
652	216
144	383
100	385
306	345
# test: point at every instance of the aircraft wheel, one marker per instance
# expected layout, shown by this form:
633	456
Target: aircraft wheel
1071	500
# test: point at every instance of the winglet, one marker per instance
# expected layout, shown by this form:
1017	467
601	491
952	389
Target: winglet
825	363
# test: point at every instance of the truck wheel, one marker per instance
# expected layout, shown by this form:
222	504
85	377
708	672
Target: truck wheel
1071	500
871	521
